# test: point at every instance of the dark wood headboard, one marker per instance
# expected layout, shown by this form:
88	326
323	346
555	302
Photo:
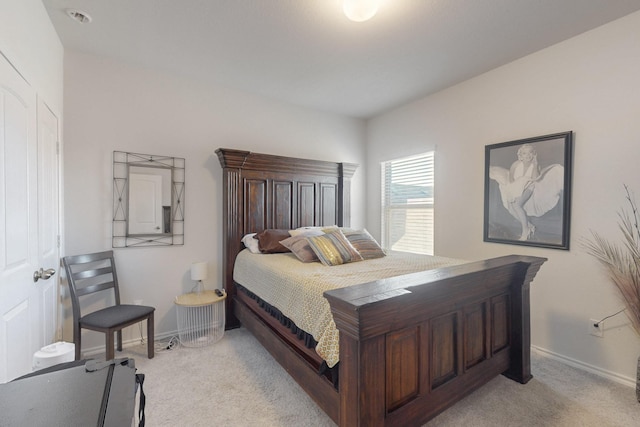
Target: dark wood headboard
263	191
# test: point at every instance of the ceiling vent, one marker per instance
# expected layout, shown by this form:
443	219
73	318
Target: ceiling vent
78	15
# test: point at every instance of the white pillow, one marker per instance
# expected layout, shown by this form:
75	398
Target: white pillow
251	243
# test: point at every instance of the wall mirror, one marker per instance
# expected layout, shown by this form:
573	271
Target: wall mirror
148	200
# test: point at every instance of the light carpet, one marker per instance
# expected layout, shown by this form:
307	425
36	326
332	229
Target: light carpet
236	382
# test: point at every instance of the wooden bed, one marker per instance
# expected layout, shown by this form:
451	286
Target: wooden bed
410	346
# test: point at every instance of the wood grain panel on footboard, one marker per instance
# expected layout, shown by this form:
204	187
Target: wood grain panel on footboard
403	360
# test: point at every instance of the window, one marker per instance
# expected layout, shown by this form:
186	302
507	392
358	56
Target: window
407	204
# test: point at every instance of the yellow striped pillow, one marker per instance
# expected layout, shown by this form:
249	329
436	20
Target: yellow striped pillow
333	248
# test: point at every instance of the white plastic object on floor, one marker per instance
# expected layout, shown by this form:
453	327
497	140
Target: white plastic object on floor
53	354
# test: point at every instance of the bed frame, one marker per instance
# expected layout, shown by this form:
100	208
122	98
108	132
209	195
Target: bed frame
410	346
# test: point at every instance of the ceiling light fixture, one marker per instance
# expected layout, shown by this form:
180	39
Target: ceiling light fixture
360	10
78	15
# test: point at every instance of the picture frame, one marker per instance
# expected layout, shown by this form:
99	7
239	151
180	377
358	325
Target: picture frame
527	191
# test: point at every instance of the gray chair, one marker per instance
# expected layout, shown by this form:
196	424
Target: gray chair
91	273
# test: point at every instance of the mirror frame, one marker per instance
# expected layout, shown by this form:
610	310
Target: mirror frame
122	161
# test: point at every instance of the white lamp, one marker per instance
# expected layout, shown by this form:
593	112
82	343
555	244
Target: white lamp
360	10
199	273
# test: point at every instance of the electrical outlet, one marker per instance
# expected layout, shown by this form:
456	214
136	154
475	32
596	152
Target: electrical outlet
596	329
137	301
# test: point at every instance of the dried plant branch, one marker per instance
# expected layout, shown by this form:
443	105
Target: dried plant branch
622	261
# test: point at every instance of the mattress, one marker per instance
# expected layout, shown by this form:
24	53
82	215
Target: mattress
296	288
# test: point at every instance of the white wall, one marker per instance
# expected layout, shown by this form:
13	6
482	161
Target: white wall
590	85
111	106
29	41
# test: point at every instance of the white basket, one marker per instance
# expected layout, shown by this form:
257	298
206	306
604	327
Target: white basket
201	318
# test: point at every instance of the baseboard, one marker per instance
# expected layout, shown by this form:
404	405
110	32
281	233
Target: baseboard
99	350
610	375
613	376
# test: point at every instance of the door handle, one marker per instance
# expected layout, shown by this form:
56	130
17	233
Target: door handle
43	274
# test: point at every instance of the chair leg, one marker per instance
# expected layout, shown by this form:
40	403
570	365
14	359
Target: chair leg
109	345
119	335
77	339
150	333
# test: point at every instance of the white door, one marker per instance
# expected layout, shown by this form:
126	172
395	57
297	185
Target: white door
22	323
145	204
48	208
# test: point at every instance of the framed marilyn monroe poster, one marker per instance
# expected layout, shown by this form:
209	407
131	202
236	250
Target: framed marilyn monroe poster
527	191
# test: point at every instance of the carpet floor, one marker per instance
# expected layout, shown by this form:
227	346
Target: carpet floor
236	382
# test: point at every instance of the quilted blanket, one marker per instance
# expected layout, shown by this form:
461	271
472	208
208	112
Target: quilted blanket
296	288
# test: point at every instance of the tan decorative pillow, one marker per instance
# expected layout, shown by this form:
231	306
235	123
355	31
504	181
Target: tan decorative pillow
299	245
333	249
364	243
269	240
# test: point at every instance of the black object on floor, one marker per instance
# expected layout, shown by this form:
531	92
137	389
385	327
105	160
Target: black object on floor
81	393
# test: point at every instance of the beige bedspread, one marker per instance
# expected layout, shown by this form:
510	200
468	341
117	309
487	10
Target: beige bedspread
296	288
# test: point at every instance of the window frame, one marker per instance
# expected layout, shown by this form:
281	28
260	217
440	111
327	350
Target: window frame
412	171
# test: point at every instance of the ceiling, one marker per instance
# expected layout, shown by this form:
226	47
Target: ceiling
306	52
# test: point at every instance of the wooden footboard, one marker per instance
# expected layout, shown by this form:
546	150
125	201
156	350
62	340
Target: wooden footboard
411	346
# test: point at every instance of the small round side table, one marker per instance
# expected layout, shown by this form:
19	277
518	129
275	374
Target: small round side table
200	318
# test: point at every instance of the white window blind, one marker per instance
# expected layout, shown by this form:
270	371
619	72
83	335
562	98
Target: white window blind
407	204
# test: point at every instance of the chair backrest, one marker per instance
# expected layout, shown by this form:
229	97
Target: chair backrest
88	274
